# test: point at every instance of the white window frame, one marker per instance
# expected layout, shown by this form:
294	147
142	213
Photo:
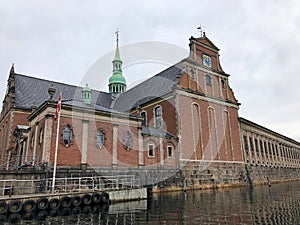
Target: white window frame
161	116
153	149
172	155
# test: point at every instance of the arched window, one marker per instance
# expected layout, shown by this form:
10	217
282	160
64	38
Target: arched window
100	139
144	116
158	116
207	80
127	140
67	135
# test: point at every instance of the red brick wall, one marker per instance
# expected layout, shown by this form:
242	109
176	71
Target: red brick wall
97	156
215	142
7	126
71	155
127	157
168	114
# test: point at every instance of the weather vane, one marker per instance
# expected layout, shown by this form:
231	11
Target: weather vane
117	33
201	30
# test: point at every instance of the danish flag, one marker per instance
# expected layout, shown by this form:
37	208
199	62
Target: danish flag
58	107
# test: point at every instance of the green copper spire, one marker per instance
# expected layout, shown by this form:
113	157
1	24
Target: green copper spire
86	94
117	82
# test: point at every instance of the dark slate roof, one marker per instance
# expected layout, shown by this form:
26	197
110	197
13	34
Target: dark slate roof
80	104
34	91
152	88
151	131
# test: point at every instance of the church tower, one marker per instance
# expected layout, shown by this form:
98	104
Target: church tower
117	82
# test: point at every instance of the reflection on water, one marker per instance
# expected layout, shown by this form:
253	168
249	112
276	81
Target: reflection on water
279	204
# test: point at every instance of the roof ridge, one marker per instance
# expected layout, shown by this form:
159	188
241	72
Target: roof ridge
57	82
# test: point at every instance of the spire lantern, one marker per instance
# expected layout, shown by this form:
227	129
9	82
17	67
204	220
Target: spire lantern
86	94
117	82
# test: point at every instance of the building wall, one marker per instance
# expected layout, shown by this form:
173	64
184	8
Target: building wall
209	131
168	113
207	109
263	147
8	124
83	149
269	155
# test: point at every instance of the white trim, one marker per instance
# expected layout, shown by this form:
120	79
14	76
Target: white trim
144	111
206	98
170	146
154	116
200	129
205	69
216	129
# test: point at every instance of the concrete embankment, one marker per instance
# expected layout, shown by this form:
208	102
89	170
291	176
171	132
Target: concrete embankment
127	195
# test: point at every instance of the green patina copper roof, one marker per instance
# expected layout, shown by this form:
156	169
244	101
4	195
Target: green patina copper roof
117	82
117	79
117	54
86	94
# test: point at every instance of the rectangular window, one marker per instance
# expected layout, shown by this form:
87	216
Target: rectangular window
251	145
208	80
150	151
170	151
144	116
246	144
261	149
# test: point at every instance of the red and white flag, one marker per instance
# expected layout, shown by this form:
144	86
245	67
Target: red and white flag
58	107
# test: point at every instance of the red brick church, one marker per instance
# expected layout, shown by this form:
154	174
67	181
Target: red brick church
185	119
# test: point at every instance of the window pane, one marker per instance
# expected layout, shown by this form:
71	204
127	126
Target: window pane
158	116
100	139
208	80
67	135
170	151
150	150
127	140
143	115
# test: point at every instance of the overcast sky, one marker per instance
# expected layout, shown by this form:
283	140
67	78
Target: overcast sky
259	45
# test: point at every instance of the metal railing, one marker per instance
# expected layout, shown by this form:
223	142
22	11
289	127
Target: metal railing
68	184
18	162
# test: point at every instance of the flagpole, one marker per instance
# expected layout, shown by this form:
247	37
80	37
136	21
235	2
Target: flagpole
56	148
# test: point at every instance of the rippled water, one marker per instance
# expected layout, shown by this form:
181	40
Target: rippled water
279	204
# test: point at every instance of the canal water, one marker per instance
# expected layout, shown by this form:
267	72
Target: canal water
278	204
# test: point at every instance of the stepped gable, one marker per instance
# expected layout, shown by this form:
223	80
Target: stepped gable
34	91
155	87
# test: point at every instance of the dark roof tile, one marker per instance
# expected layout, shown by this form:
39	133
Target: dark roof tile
80	104
152	88
34	91
151	131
